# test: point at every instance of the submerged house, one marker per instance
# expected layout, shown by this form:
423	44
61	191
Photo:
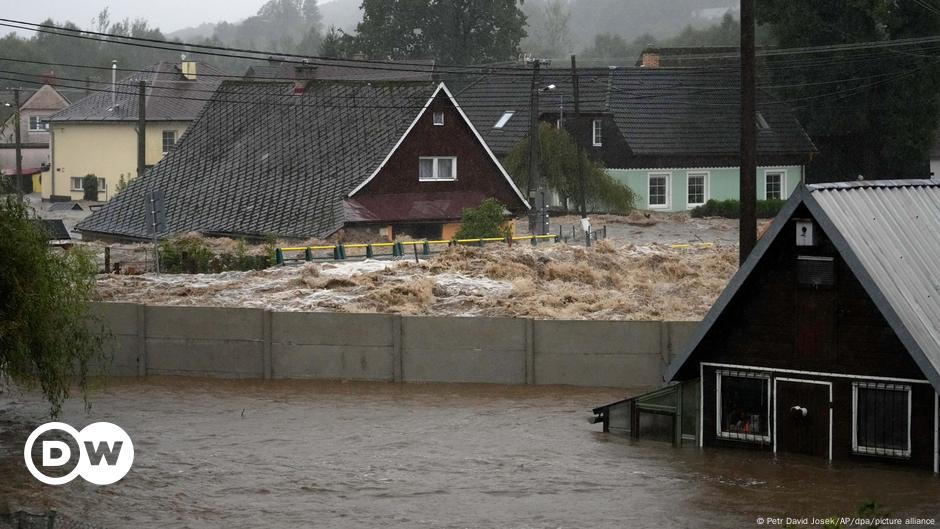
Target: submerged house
671	134
309	159
853	371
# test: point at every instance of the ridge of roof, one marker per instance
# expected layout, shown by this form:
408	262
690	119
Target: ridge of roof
867	184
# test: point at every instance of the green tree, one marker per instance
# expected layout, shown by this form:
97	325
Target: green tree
335	44
46	325
610	46
558	168
870	112
449	31
90	187
552	37
486	220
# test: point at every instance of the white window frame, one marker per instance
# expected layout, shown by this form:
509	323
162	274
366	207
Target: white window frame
783	182
41	125
597	133
735	436
163	142
655	174
706	177
438	122
501	122
435	160
886	452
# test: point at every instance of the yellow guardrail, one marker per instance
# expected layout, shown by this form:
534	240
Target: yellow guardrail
339	250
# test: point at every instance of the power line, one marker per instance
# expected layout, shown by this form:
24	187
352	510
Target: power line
240	53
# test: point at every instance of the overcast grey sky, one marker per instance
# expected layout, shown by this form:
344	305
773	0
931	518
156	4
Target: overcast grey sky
168	15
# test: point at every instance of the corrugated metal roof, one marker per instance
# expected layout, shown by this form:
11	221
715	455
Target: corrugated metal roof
892	228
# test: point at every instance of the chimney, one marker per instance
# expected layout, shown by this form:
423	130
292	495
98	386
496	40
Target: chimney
650	58
303	73
188	68
113	83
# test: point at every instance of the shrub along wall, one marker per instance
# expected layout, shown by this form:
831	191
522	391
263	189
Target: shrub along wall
732	208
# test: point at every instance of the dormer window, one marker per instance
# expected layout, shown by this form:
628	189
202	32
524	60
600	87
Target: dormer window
438	119
504	119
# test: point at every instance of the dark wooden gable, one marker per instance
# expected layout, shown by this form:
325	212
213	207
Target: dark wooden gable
774	321
476	169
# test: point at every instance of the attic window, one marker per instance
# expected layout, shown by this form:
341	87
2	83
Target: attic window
816	272
762	124
437	168
504	119
438	118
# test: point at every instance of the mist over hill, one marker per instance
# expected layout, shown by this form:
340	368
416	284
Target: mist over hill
629	19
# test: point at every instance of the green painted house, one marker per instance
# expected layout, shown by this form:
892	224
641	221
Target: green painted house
682	188
669	133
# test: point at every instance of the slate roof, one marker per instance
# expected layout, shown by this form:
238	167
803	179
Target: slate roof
888	232
170	96
344	70
53	229
261	160
659	111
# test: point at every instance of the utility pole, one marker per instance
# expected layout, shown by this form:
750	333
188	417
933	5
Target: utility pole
141	129
18	143
582	199
748	169
534	183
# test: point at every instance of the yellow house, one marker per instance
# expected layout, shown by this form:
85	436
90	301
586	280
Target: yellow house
98	134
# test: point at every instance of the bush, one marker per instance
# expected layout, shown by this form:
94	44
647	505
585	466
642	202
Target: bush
185	254
485	220
191	254
731	209
47	330
90	187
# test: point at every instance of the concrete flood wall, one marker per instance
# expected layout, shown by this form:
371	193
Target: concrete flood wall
255	343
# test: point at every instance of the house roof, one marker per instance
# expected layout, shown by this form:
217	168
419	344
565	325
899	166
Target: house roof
262	160
53	229
343	70
170	96
671	56
658	111
888	232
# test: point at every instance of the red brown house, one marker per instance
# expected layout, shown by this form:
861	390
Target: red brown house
316	159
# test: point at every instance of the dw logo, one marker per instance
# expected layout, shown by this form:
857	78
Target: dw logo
104	451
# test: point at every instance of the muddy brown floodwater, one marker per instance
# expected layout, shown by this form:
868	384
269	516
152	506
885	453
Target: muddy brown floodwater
213	453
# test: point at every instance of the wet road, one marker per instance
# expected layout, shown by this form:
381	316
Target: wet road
213	453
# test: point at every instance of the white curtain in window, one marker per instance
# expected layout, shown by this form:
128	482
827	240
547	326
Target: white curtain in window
426	168
445	168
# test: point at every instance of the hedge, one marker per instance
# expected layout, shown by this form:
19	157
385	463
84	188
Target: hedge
731	208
